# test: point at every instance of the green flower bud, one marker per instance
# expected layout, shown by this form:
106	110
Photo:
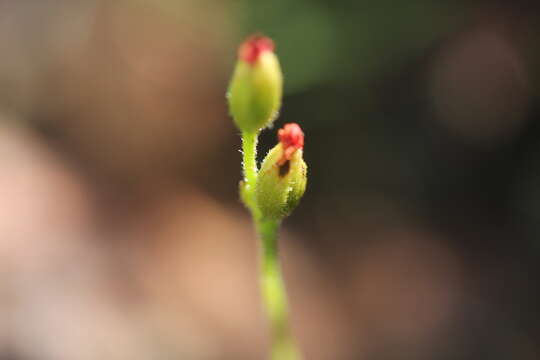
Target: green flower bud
256	87
282	180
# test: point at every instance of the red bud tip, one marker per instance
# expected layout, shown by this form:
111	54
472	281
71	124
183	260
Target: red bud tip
253	47
291	138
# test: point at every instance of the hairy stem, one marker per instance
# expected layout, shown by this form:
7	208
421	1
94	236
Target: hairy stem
273	292
249	164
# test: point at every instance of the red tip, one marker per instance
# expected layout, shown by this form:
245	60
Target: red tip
253	47
291	138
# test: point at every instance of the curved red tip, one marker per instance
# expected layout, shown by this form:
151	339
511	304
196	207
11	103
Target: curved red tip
253	47
291	138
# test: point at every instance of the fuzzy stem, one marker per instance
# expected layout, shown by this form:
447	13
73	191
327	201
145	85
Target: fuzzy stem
273	292
249	163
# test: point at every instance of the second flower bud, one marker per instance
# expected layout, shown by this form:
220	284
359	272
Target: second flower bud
282	180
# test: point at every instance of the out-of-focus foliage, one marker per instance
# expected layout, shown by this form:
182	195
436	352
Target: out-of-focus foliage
354	41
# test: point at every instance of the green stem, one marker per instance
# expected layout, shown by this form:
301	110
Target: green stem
249	163
273	292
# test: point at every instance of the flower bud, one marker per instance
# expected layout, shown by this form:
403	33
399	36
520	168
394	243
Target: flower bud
281	182
257	84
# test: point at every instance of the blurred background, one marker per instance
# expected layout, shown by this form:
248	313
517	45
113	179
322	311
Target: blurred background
121	233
